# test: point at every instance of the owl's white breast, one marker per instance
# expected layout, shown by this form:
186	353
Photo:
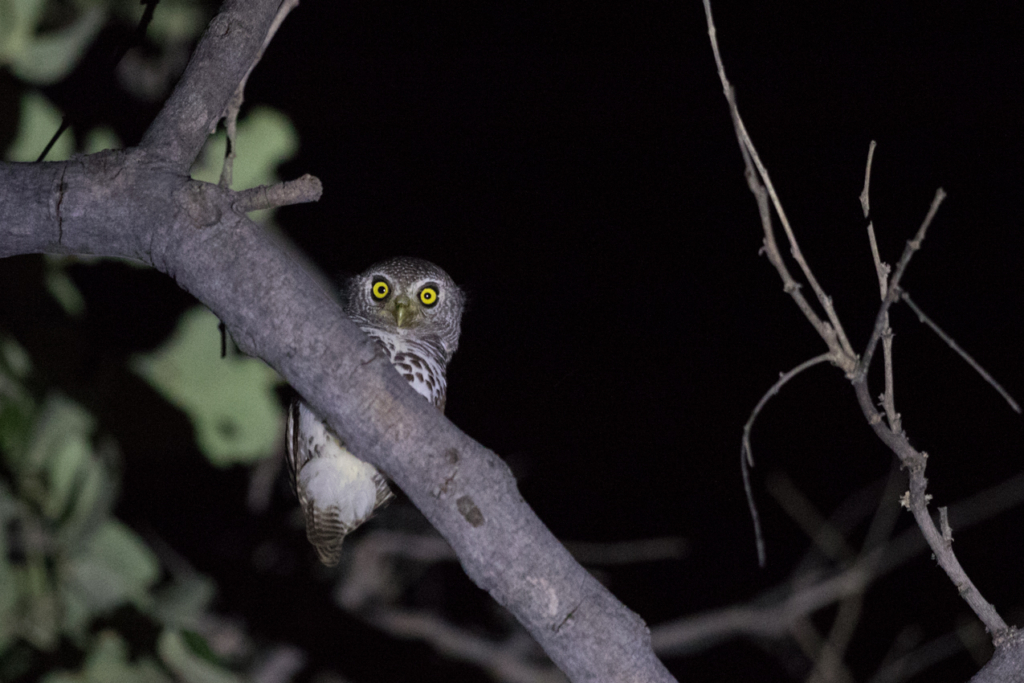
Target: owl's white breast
330	476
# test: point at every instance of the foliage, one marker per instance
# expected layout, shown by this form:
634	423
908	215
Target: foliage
230	400
68	568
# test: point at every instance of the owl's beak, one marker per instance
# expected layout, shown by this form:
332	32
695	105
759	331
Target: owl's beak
403	312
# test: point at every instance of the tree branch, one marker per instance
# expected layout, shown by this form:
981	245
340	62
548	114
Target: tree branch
856	370
139	204
229	47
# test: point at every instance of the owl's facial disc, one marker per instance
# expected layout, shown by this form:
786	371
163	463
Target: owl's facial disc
404	311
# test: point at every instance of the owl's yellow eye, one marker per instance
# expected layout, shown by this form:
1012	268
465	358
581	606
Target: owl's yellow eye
428	296
380	290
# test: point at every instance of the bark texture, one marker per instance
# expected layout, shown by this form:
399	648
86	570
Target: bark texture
140	203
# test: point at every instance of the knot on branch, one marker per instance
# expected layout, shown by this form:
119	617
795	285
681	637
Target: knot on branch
469	511
200	202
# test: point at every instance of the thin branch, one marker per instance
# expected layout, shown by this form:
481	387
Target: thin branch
374	583
915	461
128	43
816	648
865	196
881	268
747	452
843	356
772	614
919	659
824	535
894	286
223	57
504	661
956	347
828	652
882	271
833	333
917	500
235	105
302	190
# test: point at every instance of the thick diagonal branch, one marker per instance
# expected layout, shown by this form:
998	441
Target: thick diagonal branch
140	204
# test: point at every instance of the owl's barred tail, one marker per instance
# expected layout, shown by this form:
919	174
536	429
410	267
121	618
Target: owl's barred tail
326	531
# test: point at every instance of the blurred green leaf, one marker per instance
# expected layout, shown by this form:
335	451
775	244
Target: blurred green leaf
101	138
63	289
8	594
18	25
46	58
60	439
187	665
176	21
114	567
109	662
66	562
182	603
39	608
40	119
14	357
231	400
16	406
71	457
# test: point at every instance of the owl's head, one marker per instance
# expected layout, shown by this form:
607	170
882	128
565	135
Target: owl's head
408	294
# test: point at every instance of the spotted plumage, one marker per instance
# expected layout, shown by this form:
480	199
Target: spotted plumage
413	310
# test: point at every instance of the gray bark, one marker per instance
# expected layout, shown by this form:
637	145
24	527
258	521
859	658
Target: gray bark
140	203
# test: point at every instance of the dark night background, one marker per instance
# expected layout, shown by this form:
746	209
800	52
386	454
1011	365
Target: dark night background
574	168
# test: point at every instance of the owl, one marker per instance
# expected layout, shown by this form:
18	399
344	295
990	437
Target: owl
413	310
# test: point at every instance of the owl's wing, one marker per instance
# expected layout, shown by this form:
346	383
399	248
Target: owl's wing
337	490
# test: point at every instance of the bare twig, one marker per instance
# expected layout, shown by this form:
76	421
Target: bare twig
828	652
747	452
503	660
882	271
914	460
919	659
917	498
304	189
370	589
856	371
826	537
817	649
947	531
894	286
235	104
773	614
865	196
956	347
830	332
